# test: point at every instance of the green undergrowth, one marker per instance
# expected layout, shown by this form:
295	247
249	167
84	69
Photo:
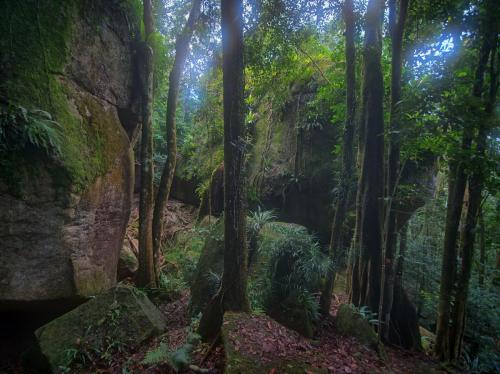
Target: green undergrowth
180	358
181	256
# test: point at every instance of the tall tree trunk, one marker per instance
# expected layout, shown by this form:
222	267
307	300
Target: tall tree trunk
396	28
146	273
346	180
372	175
475	188
482	249
403	240
445	346
232	294
496	279
167	176
456	188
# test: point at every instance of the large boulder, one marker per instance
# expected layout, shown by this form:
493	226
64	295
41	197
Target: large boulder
67	75
351	322
208	269
121	318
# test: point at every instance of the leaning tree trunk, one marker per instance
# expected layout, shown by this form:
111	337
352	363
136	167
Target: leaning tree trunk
396	28
167	176
475	187
146	272
232	294
445	347
372	176
346	180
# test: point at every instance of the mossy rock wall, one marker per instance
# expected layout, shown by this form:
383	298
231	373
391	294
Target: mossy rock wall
292	163
63	217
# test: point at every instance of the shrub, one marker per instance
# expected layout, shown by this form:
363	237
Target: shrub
294	270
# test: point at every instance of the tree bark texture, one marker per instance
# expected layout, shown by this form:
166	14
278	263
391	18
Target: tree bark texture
450	323
232	295
397	19
146	272
348	166
482	249
475	187
372	175
167	176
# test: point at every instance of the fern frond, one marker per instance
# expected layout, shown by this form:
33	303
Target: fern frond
159	355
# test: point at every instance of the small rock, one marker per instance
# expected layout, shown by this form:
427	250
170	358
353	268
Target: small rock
127	263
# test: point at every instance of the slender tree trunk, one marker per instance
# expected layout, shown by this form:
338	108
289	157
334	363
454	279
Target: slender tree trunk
167	176
353	261
146	274
456	187
372	175
482	249
403	240
233	292
475	188
445	348
496	279
396	28
346	181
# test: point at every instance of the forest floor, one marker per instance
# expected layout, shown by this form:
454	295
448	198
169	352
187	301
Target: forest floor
258	336
327	352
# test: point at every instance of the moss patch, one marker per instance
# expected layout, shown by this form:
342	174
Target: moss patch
35	41
349	322
120	318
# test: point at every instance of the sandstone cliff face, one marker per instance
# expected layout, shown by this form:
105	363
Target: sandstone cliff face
63	216
292	163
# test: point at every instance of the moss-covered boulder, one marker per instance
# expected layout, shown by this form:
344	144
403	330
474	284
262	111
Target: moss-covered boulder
251	346
121	318
281	251
209	268
428	340
350	322
67	78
